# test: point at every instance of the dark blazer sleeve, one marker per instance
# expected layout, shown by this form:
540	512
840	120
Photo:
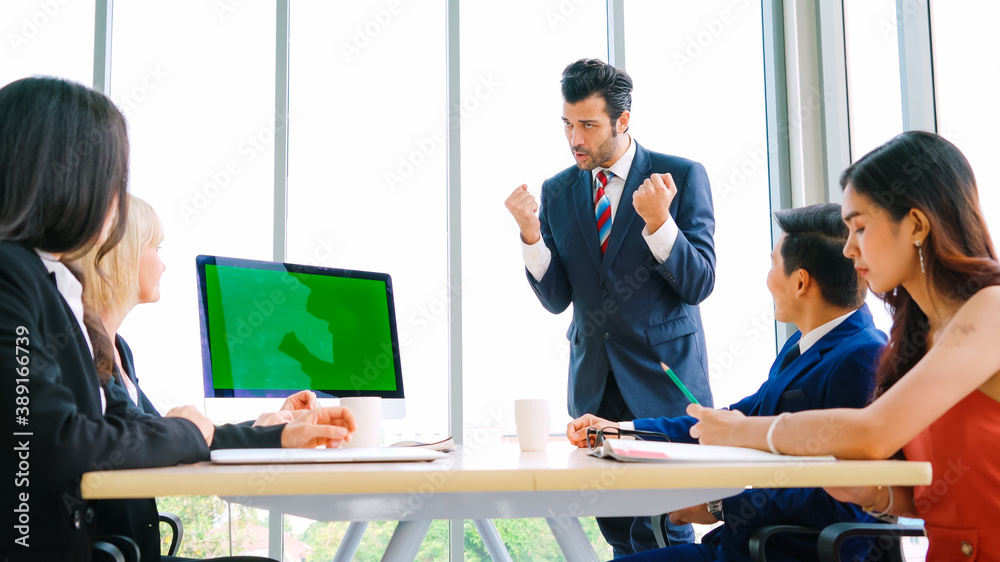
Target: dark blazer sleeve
553	289
228	436
690	268
241	436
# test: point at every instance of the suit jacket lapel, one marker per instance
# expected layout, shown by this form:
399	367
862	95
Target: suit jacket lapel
772	374
582	192
776	387
852	324
625	214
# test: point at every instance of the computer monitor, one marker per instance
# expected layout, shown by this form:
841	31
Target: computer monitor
270	329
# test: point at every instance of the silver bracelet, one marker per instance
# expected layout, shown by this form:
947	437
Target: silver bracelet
770	433
888	509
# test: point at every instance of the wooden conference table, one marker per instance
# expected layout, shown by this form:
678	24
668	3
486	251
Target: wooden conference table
485	483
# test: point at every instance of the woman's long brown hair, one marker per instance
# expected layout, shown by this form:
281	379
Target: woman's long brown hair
918	170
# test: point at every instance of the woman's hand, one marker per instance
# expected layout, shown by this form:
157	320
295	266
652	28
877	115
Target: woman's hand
716	427
274	418
576	430
192	414
302	400
319	427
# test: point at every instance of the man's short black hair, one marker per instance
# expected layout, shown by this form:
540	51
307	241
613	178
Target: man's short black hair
814	241
587	77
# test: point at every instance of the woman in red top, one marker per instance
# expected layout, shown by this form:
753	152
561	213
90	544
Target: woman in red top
918	238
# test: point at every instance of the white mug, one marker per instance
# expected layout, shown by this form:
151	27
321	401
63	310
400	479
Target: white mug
368	415
531	417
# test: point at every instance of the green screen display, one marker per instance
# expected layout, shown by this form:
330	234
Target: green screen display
285	330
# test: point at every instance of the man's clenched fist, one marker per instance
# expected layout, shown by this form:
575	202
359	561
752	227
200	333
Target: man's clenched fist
653	198
524	208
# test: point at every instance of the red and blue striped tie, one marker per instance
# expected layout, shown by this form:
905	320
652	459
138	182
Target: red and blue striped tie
602	210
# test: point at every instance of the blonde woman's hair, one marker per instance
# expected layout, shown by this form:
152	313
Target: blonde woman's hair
114	286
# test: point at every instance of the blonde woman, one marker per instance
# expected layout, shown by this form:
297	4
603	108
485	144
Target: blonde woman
129	276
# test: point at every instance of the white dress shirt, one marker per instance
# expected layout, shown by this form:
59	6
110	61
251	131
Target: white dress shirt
133	392
72	292
807	340
537	256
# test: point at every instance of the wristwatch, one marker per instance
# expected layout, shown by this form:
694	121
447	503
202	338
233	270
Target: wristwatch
715	508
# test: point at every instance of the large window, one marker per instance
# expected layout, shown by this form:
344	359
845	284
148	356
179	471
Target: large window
366	184
874	99
47	39
201	123
966	79
699	93
512	134
367	172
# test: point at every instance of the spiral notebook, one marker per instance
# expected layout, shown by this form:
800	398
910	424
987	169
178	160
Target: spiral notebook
660	451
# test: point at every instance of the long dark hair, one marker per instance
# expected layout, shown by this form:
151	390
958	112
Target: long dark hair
63	163
918	170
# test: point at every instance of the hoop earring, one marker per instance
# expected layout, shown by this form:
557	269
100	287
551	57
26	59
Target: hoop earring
920	252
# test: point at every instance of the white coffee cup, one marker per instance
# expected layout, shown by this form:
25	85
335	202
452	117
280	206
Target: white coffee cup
531	417
368	415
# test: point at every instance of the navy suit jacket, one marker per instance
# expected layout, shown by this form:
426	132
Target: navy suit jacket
629	311
838	371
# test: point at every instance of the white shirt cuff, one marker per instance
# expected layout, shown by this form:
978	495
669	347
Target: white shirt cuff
536	258
629	426
661	242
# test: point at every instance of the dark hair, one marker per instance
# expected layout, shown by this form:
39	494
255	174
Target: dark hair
918	170
588	77
63	162
814	241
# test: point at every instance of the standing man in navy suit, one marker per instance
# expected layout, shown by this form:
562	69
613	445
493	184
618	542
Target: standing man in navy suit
829	363
625	235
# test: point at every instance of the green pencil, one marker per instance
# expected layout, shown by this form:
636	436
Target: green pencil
679	384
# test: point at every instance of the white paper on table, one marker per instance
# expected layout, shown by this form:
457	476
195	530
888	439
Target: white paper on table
661	451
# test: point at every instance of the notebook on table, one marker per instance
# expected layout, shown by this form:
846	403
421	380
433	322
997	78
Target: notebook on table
360	454
659	451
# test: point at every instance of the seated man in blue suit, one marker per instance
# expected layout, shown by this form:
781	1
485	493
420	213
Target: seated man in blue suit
829	363
625	236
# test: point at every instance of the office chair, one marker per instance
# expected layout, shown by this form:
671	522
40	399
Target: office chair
118	548
887	539
115	548
176	531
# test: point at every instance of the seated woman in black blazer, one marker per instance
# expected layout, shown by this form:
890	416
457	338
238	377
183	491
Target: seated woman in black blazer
63	189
